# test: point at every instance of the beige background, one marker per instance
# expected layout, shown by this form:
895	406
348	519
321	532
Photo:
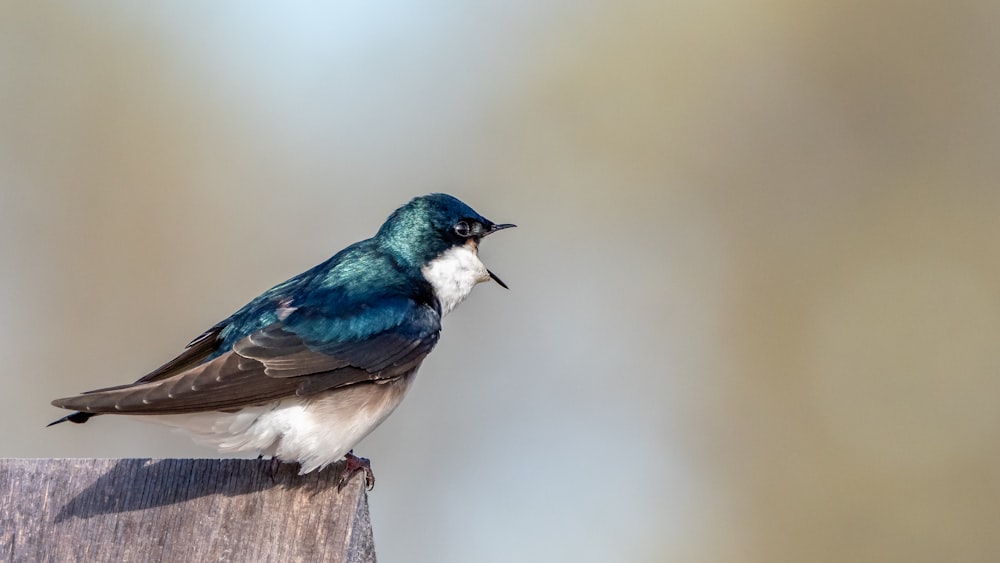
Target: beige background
755	299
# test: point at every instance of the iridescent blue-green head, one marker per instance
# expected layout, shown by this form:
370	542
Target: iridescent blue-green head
429	225
440	234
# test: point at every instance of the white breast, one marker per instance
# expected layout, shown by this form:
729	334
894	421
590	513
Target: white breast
454	274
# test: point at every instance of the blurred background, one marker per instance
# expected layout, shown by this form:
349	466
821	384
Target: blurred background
755	291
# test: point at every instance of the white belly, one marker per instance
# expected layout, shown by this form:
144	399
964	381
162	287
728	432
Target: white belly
313	431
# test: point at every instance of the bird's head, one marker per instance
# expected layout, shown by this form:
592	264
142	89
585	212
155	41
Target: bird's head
438	231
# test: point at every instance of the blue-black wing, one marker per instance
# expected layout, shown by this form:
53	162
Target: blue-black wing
306	353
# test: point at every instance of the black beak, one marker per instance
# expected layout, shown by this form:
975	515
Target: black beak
494	228
496	279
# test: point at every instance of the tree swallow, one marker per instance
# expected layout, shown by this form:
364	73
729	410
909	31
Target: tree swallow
306	370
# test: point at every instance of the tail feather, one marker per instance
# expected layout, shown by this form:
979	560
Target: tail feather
77	417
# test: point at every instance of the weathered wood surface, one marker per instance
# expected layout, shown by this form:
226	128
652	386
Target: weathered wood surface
179	510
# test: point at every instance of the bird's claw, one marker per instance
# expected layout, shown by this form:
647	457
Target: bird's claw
274	466
353	464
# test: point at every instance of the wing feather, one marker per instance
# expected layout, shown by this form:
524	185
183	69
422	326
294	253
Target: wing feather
272	363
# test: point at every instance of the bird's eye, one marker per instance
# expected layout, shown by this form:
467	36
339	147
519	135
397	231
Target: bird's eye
462	229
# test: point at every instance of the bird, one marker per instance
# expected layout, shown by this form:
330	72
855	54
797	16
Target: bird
307	369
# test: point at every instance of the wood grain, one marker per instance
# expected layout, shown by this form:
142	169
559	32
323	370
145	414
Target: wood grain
179	510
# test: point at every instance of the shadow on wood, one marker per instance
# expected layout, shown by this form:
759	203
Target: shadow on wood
179	510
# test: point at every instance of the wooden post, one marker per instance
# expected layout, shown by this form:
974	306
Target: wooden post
179	510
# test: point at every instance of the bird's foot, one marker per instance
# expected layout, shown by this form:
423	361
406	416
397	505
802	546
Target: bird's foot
353	464
274	466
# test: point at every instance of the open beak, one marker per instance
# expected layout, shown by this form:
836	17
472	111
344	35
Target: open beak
494	228
496	279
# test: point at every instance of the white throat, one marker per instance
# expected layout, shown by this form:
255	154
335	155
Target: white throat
454	274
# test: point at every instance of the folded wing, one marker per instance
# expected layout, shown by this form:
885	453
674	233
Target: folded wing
280	360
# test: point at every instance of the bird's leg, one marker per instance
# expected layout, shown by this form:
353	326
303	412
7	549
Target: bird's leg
353	464
275	465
